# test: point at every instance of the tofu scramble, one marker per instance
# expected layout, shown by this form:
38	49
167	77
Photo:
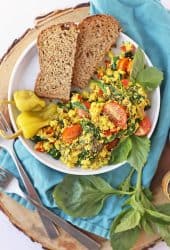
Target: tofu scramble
88	127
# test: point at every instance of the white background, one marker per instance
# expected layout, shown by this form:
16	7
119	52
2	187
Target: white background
15	17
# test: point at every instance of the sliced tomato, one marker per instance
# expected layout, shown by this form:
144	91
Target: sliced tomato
100	92
123	48
39	147
109	132
125	82
79	97
71	133
112	144
87	104
123	64
144	127
82	113
116	113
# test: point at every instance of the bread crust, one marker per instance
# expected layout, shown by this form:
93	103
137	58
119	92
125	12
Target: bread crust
97	34
56	49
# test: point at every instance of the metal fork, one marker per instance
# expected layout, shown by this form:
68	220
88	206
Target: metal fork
9	183
9	146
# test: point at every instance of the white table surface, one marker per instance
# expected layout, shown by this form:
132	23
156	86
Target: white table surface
15	17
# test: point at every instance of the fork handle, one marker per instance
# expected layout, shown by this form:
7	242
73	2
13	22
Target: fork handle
48	225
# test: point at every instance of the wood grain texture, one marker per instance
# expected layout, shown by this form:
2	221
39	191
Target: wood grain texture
27	221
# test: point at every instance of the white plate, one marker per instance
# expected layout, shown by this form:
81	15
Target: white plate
23	77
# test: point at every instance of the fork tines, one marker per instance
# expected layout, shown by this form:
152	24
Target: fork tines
3	123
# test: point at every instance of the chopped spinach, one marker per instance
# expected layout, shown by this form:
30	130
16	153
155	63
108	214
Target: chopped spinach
83	155
89	127
55	153
37	138
78	105
114	66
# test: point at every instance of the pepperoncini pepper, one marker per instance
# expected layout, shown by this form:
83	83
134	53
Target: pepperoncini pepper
31	121
26	100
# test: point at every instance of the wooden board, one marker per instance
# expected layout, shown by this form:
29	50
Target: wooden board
27	221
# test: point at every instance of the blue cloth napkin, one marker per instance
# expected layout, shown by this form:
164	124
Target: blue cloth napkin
147	22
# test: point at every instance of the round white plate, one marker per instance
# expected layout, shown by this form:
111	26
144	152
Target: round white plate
23	77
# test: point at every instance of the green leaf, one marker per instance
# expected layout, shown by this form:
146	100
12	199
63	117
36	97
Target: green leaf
146	202
139	153
79	105
148	193
121	152
100	84
82	196
150	78
147	226
55	153
138	64
155	214
136	204
130	220
164	208
126	184
163	231
124	240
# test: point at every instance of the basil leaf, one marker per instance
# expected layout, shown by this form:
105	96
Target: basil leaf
147	226
139	153
130	220
150	78
126	184
138	64
124	240
155	214
121	152
82	196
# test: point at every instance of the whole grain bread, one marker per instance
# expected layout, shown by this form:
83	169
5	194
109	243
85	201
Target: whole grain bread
56	50
97	34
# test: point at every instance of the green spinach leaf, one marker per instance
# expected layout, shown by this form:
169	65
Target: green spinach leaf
139	152
150	78
82	196
163	231
164	208
147	226
100	84
126	184
124	240
146	202
79	105
157	215
121	152
138	64
129	221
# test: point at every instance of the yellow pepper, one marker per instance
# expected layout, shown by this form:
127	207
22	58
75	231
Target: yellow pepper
30	122
26	100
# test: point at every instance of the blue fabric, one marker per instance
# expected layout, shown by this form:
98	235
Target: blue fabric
147	22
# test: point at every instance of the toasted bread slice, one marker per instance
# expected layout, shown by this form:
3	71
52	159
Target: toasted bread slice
56	49
97	34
